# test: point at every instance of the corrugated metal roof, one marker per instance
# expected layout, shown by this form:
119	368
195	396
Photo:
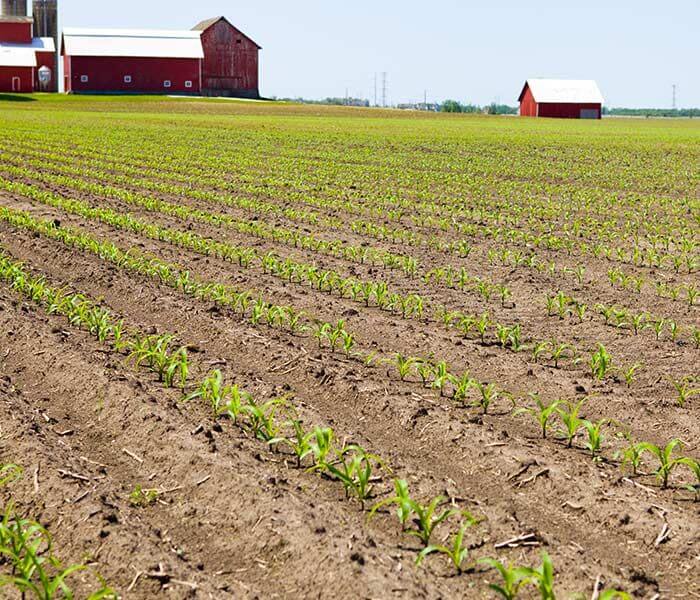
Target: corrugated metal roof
133	43
583	91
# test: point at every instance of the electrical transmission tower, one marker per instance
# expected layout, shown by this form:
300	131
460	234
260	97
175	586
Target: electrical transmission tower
384	89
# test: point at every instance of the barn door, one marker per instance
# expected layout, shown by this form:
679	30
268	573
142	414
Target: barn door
16	84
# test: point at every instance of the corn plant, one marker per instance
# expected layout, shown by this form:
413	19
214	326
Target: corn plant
441	376
322	444
632	453
300	444
694	467
629	372
461	386
560	351
9	474
595	436
402	499
404	365
544	578
458	551
540	349
542	413
600	363
28	549
141	497
488	393
684	390
513	578
261	418
354	467
664	454
569	416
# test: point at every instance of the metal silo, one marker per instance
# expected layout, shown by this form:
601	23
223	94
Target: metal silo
13	8
45	13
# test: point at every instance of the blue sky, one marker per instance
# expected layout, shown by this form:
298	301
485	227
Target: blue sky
476	51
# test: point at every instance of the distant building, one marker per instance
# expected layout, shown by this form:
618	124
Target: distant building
132	61
213	59
561	99
230	66
27	63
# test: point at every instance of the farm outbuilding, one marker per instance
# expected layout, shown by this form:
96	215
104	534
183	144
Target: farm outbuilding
24	57
133	61
230	66
561	99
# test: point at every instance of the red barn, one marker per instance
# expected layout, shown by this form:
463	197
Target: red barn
230	65
132	61
22	55
561	99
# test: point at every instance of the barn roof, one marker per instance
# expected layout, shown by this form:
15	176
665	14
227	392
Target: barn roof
132	43
24	55
565	91
17	56
15	19
207	23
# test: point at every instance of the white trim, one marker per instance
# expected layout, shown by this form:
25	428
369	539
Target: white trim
167	83
127	79
84	79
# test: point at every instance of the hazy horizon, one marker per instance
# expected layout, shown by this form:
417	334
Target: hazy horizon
467	52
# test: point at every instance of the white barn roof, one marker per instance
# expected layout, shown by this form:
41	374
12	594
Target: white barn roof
24	55
579	91
132	43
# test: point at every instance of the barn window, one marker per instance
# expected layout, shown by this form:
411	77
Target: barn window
167	83
188	84
239	41
127	78
83	79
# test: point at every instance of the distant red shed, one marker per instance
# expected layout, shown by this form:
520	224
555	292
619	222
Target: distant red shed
230	66
561	99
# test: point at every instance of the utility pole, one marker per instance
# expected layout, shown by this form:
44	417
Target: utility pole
384	89
375	89
673	105
425	100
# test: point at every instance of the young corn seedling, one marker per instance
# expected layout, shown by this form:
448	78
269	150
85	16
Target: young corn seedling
261	418
544	578
684	390
458	551
571	421
428	517
322	331
300	444
354	468
694	467
461	386
540	349
441	376
542	413
560	351
665	457
402	499
404	365
142	498
488	394
424	368
9	474
482	326
600	363
595	436
629	373
513	578
322	444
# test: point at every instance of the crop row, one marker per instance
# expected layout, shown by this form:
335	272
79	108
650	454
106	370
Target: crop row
350	465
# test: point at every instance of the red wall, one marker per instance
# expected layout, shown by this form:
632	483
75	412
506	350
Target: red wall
565	111
106	74
230	66
46	59
528	106
25	74
16	33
